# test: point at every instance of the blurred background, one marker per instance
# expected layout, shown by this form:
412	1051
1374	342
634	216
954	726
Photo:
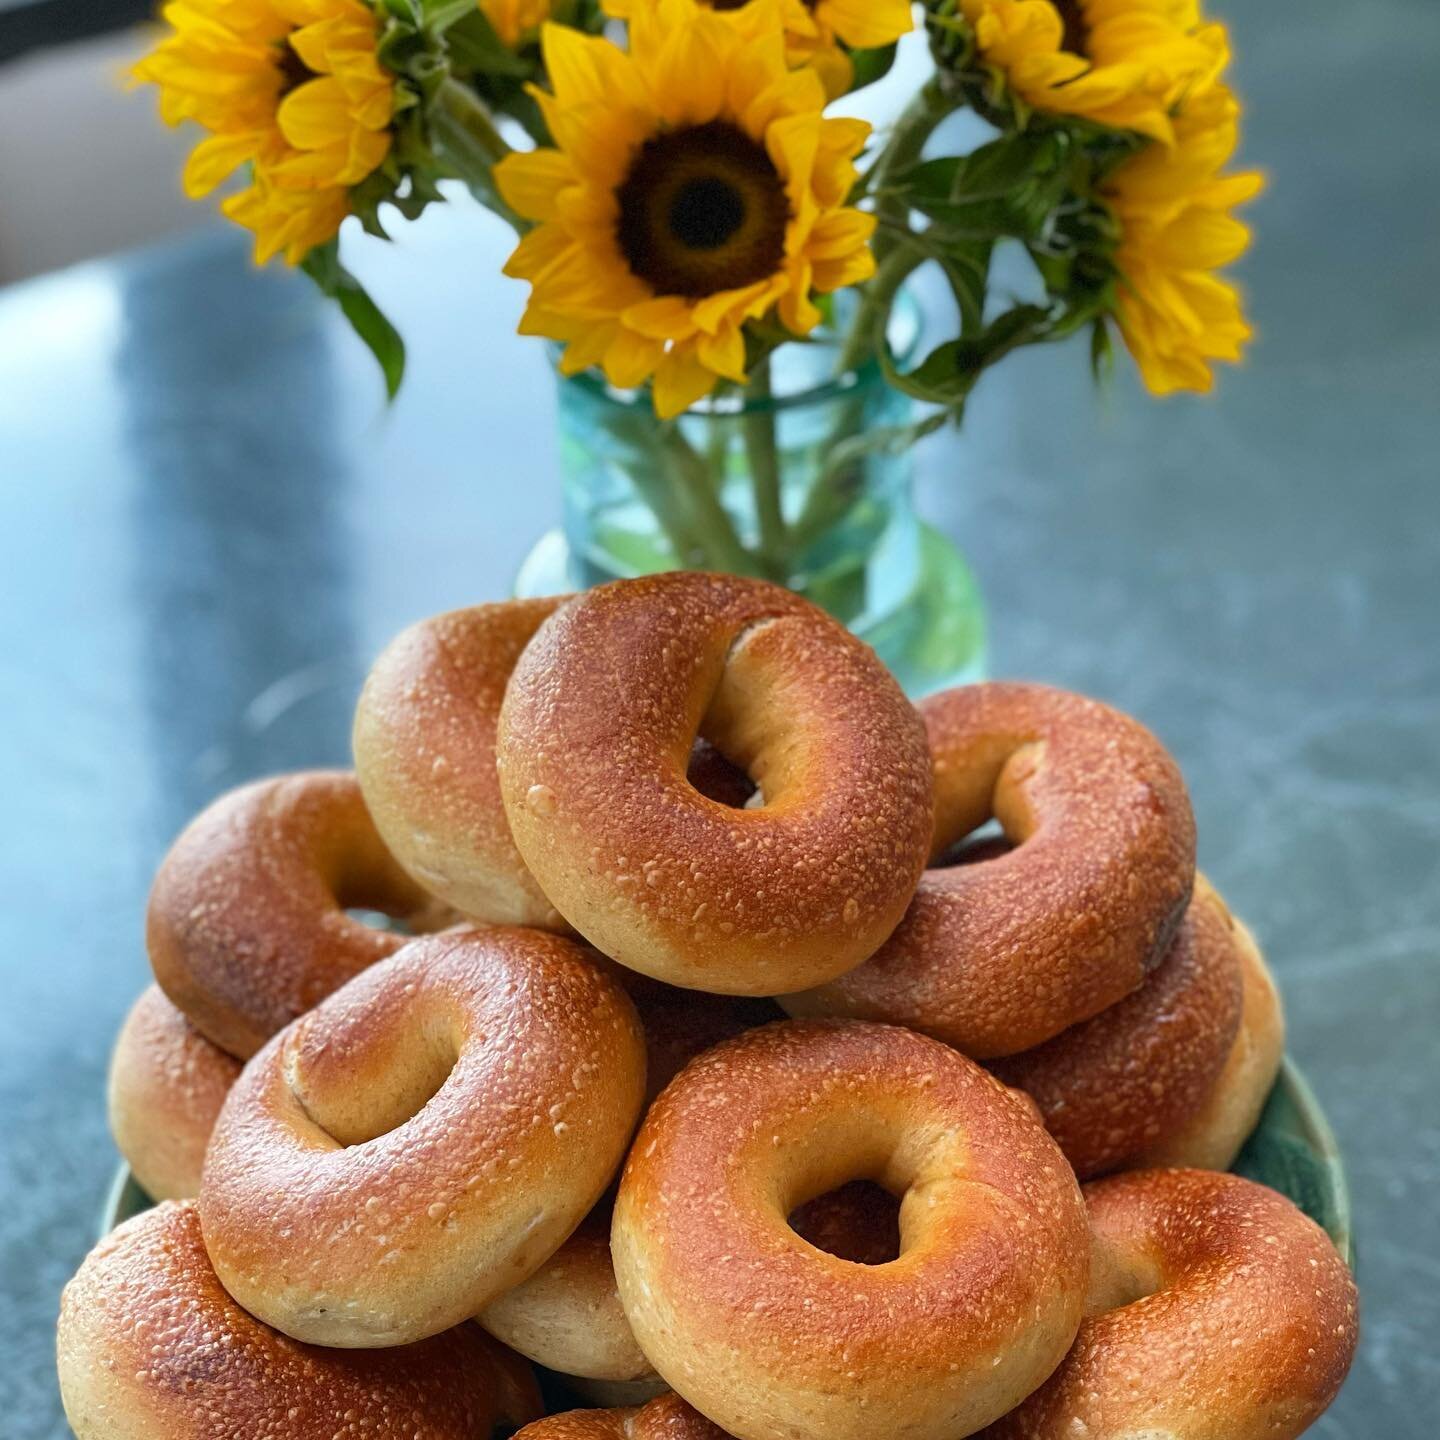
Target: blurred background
213	522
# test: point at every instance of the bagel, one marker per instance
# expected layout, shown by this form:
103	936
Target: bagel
424	746
567	1316
1231	1304
666	1418
246	925
596	733
772	1338
1114	1086
999	956
151	1347
167	1084
1212	1138
423	1140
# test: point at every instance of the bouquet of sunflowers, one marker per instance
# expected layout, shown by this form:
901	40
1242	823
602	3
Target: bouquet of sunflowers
686	207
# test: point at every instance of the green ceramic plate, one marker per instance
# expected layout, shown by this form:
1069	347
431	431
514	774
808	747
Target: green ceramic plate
1293	1150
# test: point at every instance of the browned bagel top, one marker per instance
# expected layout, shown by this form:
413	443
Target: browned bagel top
425	753
668	1418
247	925
1115	1085
998	956
596	734
167	1084
425	1138
768	1334
152	1348
1231	1304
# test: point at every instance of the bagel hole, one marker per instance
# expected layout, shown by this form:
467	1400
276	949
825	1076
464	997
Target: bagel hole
379	920
989	842
720	779
858	1221
404	1071
1119	1276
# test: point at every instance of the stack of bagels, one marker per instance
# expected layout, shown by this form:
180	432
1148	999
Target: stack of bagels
668	1003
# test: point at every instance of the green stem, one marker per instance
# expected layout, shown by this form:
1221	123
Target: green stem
712	524
763	456
907	143
902	152
866	333
469	141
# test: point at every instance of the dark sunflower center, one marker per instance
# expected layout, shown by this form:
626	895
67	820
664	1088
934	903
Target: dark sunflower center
705	213
1077	32
294	72
702	210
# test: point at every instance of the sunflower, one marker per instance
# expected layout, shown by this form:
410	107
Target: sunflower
817	32
1122	63
291	88
512	20
1173	207
696	185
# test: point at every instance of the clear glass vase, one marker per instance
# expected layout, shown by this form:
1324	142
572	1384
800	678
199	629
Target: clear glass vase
803	477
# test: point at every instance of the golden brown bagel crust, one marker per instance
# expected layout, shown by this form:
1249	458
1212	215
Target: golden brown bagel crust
1214	1135
425	752
167	1084
776	1340
999	956
152	1348
424	1140
247	926
1116	1084
567	1316
1217	1312
666	1418
595	738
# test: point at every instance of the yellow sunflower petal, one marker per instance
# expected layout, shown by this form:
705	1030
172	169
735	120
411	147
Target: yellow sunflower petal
631	359
865	24
681	379
215	159
226	65
724	353
530	183
702	110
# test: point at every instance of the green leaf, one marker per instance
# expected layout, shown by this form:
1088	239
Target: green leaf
475	47
440	15
871	65
323	266
1011	186
948	374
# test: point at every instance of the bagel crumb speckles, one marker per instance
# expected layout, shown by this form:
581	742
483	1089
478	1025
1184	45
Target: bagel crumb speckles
424	743
1115	1085
425	1139
247	926
774	1339
167	1085
1212	1137
595	739
151	1346
1231	1304
999	956
665	1418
